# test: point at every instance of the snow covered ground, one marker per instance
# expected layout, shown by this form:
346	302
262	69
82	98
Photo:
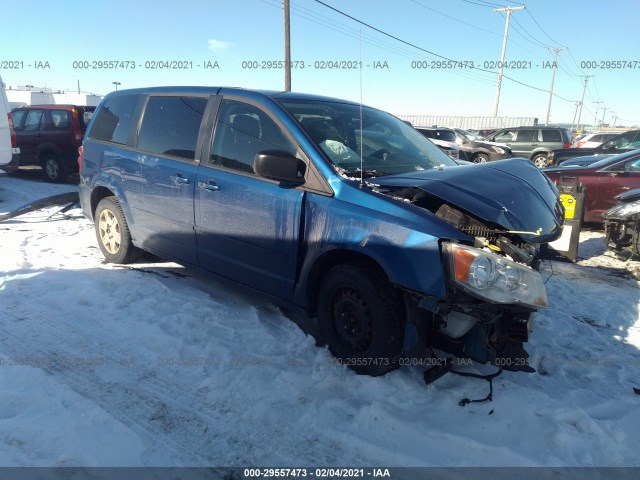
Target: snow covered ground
154	366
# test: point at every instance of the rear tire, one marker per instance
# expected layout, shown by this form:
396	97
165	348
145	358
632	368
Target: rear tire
113	233
361	318
540	160
53	168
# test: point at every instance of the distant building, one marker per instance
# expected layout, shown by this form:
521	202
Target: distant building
29	95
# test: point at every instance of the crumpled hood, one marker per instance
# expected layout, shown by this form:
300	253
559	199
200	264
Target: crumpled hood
511	193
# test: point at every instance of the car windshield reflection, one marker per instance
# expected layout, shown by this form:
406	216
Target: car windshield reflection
362	140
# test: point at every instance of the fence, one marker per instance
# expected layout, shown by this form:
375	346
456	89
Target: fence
477	123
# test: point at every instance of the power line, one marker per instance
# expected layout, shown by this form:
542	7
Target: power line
430	52
456	19
535	41
542	29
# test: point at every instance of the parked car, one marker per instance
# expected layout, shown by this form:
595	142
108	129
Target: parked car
603	180
623	142
482	133
622	223
332	209
8	145
592	140
49	136
474	149
533	142
583	161
443	138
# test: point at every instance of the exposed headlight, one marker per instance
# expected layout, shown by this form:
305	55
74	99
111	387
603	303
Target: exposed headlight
494	278
498	150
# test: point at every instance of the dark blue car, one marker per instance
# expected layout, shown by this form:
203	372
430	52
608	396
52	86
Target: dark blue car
327	207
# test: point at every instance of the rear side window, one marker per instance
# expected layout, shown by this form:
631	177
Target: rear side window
33	121
17	115
551	135
113	121
60	119
527	136
170	126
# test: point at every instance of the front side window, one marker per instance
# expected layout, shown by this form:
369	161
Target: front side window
34	120
365	141
506	136
113	120
241	132
170	126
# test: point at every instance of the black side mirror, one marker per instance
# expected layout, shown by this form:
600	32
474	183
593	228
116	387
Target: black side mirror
280	166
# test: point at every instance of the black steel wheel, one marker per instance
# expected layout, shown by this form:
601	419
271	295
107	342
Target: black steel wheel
361	318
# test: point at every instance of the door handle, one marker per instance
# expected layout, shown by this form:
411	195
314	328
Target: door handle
180	179
209	185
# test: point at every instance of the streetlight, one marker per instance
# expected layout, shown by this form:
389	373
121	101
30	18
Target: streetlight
116	84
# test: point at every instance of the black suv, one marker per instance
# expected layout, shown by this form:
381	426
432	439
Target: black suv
624	142
533	142
474	149
443	138
49	136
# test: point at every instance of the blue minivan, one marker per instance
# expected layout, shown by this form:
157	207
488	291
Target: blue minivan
330	208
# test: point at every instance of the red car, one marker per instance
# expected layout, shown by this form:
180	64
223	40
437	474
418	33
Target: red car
603	180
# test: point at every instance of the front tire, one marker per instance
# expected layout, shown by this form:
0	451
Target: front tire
361	318
113	233
53	168
540	160
481	158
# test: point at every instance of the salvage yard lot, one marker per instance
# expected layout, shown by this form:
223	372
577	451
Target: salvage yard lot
151	365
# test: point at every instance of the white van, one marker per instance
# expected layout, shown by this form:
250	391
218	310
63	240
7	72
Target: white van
9	151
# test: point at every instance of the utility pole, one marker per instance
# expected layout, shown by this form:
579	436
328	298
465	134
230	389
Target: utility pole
595	118
509	11
574	116
287	47
553	78
613	119
584	90
603	113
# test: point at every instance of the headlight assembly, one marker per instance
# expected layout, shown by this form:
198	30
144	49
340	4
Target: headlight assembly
494	278
498	150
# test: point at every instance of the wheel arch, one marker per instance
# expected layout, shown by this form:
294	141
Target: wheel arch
98	194
331	259
45	149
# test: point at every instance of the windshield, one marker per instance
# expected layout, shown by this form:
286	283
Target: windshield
471	136
388	145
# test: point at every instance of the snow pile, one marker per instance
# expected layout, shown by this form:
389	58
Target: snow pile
152	365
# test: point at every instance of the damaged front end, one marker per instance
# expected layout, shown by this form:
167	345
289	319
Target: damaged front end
622	223
508	209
